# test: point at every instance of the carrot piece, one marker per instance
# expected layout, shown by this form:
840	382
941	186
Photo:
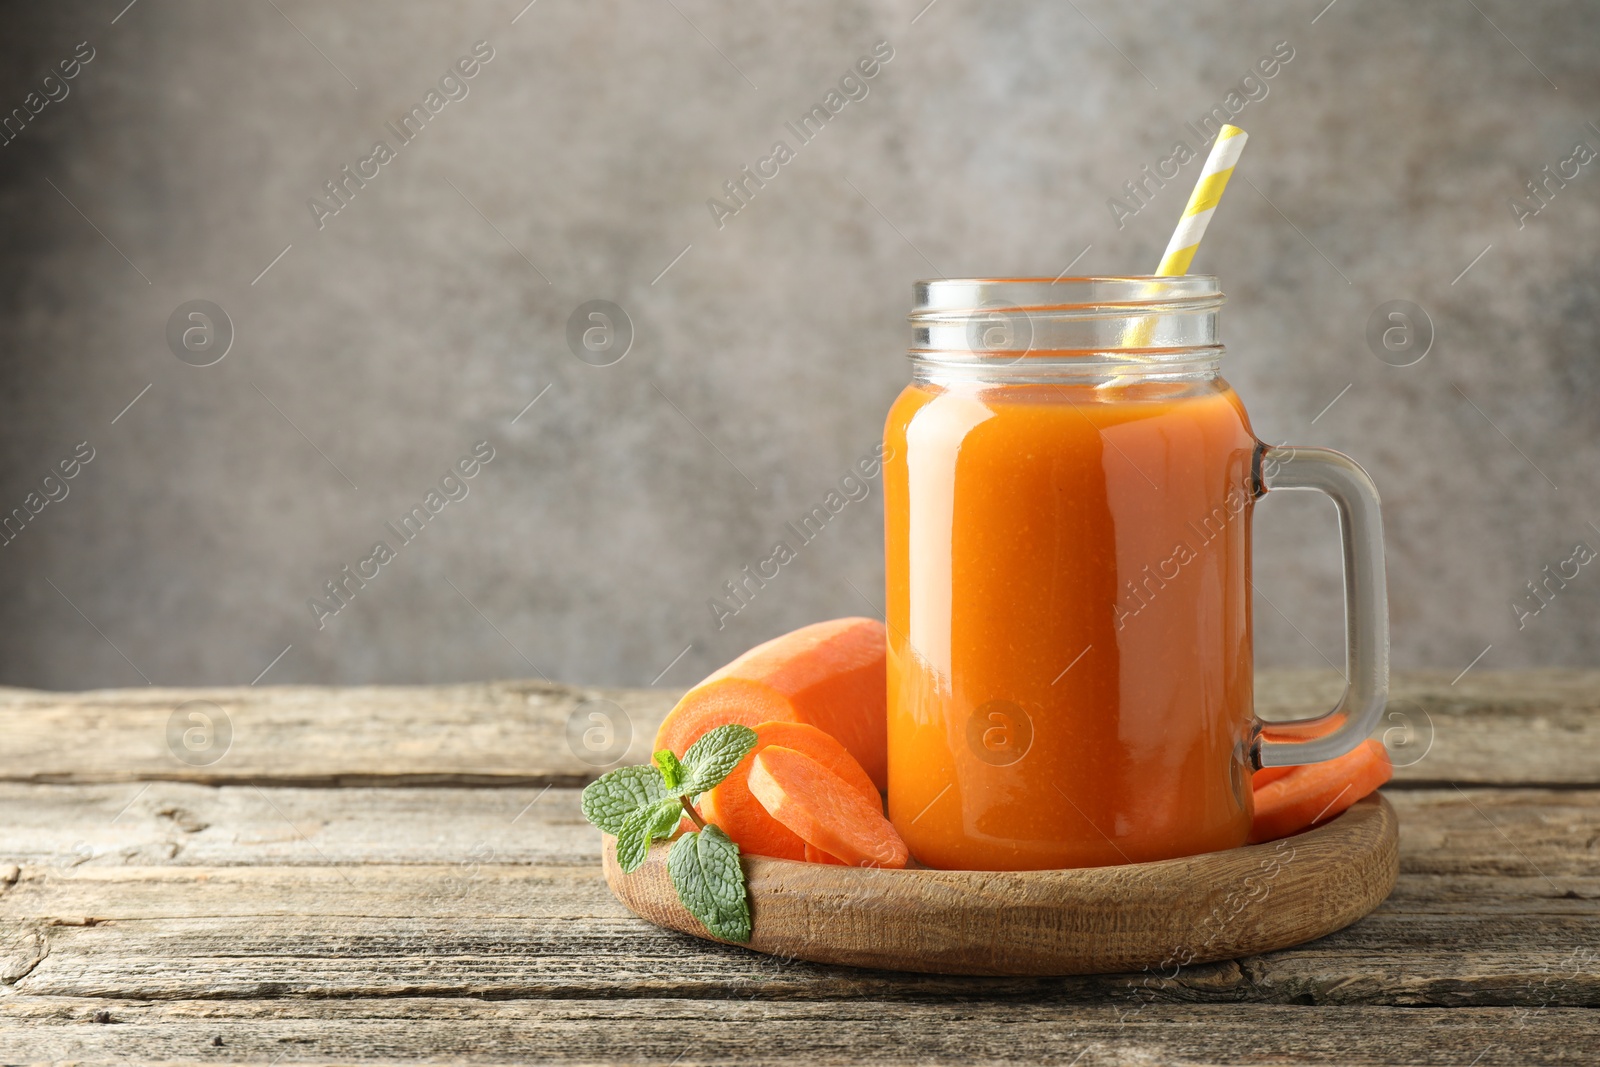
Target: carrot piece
1268	775
1317	792
741	816
816	855
824	810
831	675
1289	731
1302	731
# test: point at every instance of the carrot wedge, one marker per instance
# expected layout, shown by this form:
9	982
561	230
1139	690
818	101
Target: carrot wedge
1316	792
831	675
732	807
824	810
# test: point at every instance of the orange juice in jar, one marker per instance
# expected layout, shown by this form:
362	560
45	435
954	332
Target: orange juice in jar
1069	485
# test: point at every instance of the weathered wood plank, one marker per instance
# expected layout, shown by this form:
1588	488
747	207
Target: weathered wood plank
531	931
156	823
493	733
665	1032
1516	832
1489	728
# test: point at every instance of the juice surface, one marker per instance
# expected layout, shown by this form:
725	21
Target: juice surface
1070	663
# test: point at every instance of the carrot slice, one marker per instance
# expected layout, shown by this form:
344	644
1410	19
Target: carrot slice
824	810
740	815
816	855
831	675
1316	792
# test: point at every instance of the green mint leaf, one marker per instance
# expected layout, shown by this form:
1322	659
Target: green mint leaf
706	872
608	801
642	827
668	813
672	772
710	759
633	840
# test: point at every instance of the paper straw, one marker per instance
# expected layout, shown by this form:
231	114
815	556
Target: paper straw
1191	227
1203	201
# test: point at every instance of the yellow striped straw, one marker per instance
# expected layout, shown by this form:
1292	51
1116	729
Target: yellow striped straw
1191	227
1203	201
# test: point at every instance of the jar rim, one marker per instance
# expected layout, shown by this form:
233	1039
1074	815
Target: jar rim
937	297
1080	321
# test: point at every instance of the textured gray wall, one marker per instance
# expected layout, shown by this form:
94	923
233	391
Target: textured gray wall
432	308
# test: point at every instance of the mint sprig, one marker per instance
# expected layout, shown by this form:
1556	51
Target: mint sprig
639	805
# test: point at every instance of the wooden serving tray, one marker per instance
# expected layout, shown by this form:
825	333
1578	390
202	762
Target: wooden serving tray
1097	920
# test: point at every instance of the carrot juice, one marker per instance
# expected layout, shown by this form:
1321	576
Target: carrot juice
1070	668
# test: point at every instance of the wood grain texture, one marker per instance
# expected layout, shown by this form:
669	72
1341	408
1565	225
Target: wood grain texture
156	823
686	1033
1474	932
1514	728
1442	831
492	733
1143	916
382	875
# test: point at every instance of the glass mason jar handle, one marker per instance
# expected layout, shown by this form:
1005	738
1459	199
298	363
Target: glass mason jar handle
1366	602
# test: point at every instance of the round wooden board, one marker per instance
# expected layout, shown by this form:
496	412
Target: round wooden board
1098	920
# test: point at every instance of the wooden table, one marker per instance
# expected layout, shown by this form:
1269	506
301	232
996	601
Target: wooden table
386	874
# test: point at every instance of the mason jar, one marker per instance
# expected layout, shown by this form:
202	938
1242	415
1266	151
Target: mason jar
1069	484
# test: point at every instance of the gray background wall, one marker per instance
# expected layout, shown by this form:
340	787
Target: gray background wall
433	308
